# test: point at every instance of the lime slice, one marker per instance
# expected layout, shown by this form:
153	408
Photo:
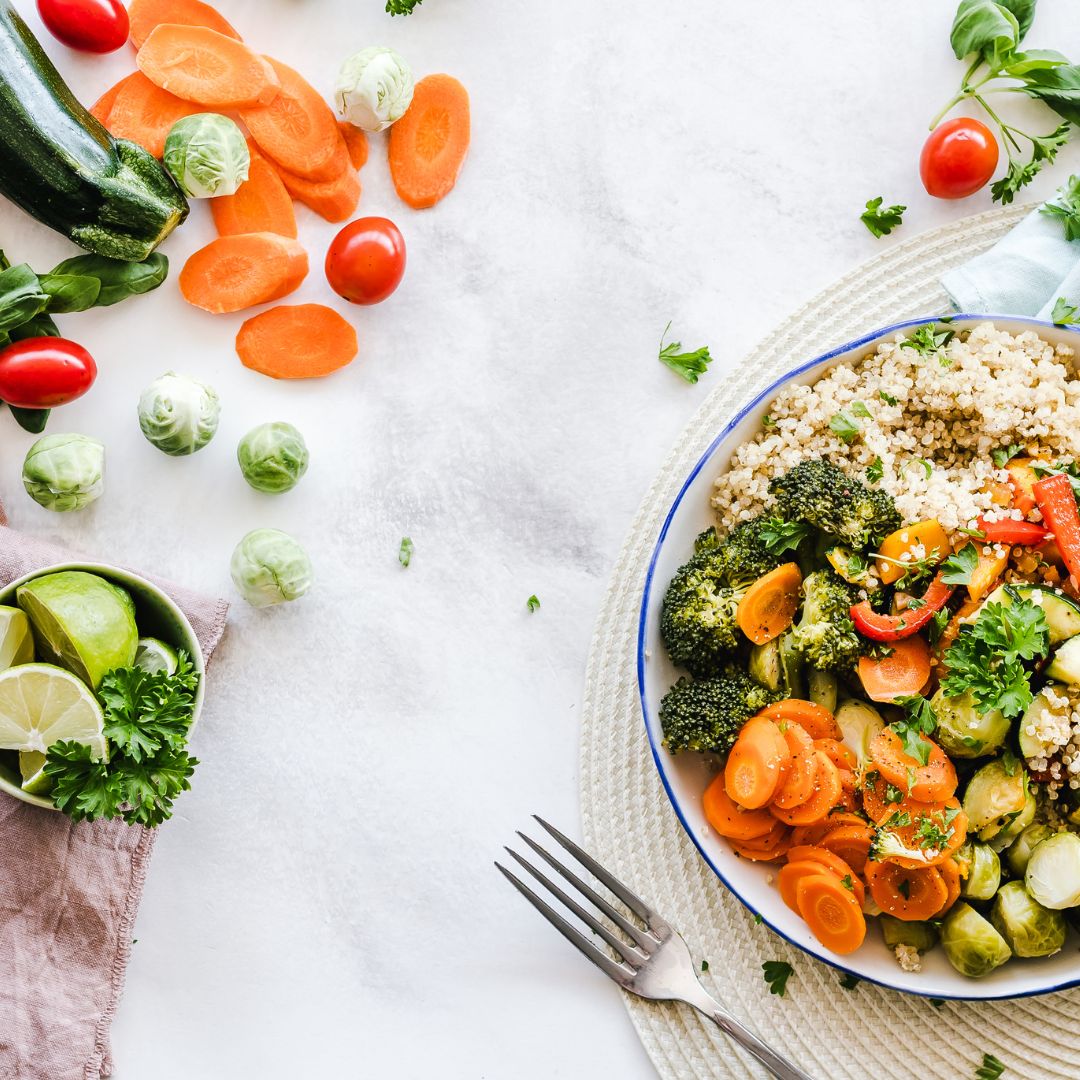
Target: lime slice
81	622
16	641
154	655
32	768
41	705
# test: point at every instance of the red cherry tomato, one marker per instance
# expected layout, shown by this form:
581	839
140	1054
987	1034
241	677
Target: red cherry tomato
97	26
43	372
366	261
958	158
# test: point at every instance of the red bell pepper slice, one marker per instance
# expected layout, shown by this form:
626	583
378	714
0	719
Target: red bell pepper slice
1056	500
1009	531
895	627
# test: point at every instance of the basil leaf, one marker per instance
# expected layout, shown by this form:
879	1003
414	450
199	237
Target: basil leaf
1034	60
119	279
983	26
70	292
1024	12
38	326
32	420
21	297
1058	87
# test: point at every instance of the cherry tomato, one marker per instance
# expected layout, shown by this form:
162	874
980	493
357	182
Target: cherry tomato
97	26
366	261
43	372
958	158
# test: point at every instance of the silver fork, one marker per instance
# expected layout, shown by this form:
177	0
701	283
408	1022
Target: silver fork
658	964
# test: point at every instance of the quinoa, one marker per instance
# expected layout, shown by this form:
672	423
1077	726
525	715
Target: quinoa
983	390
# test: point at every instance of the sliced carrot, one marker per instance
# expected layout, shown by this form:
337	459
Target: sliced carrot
791	873
145	114
950	874
297	129
927	829
880	798
911	895
952	630
818	722
923	540
851	843
428	144
731	820
848	798
903	671
335	200
833	863
798	785
260	205
831	911
842	756
814	834
145	15
103	106
933	782
211	69
301	341
771	847
355	142
757	763
826	794
769	605
235	272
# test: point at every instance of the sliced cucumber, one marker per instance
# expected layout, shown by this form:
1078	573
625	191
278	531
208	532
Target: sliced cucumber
1061	611
1030	747
1065	667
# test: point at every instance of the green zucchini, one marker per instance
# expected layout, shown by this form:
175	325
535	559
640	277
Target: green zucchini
61	166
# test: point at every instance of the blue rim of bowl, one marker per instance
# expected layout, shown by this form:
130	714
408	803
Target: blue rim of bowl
659	757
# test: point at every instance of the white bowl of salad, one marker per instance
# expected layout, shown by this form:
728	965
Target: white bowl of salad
859	657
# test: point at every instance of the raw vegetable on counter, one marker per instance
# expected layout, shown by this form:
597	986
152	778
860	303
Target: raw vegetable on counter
179	415
96	26
296	341
366	260
273	457
374	88
237	272
207	155
269	567
65	472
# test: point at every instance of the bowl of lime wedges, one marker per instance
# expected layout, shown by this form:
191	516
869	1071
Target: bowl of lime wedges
65	631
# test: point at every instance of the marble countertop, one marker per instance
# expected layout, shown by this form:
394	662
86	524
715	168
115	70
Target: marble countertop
324	902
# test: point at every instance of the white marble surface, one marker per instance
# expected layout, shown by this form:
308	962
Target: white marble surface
324	902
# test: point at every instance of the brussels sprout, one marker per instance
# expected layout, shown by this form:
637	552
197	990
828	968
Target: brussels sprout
962	731
1053	871
374	88
65	472
764	666
822	688
1028	927
273	457
1019	851
971	943
207	156
984	871
178	415
859	723
270	567
1016	825
919	935
995	795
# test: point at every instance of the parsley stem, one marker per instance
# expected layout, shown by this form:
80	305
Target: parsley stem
1006	131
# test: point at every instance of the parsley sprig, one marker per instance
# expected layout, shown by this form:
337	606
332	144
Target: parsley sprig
779	536
928	340
958	567
690	365
777	973
1064	313
882	220
1065	206
990	1069
402	7
921	721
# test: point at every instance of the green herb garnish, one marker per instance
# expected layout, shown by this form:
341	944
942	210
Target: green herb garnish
881	221
777	973
405	551
690	365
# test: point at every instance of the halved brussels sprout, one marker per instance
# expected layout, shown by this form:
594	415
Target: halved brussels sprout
1028	927
984	871
821	687
1019	851
791	660
919	935
764	666
860	723
1037	716
1053	871
971	943
1013	828
995	795
962	731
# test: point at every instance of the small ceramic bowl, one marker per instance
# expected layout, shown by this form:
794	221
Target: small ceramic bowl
157	616
685	776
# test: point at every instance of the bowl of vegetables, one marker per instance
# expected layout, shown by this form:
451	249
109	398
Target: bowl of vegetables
859	657
101	683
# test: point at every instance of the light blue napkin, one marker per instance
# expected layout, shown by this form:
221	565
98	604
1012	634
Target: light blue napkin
1022	274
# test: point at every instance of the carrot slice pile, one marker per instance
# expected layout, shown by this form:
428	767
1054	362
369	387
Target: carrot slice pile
826	794
203	66
798	785
933	782
429	143
768	848
814	834
302	341
818	722
103	106
335	200
757	764
261	204
145	15
145	114
912	895
355	142
235	272
729	819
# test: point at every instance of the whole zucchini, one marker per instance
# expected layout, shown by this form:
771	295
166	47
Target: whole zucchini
60	165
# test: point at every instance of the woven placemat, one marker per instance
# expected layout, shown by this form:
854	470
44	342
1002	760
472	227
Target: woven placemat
629	824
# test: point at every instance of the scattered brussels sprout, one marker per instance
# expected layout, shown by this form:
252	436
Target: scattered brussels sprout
207	156
984	871
1019	851
179	415
971	943
1053	871
859	723
994	796
273	457
919	935
1028	927
822	688
1014	826
374	88
270	567
962	731
65	472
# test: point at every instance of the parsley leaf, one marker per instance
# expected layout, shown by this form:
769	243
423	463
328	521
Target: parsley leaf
887	398
767	421
928	340
937	625
777	973
875	470
845	427
1016	177
690	365
858	408
849	981
405	551
533	603
880	221
1004	454
779	536
958	568
990	1069
704	965
402	7
1064	312
921	720
848	883
937	1002
1066	208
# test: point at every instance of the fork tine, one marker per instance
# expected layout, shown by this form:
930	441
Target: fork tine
646	942
629	898
627	952
622	975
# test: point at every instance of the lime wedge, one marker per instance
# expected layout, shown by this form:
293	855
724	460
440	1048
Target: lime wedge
16	641
154	655
41	705
32	768
81	622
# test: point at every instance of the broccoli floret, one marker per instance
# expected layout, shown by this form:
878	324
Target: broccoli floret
746	558
825	634
887	845
709	540
708	714
817	492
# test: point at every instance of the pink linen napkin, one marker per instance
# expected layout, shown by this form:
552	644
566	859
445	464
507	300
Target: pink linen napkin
68	896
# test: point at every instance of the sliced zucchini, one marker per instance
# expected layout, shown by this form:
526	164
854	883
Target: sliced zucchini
1061	611
1065	666
1030	747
